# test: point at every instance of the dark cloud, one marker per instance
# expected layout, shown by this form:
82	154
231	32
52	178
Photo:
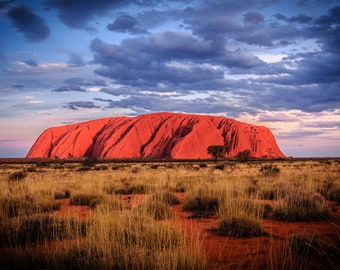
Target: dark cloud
77	13
31	25
103	99
326	29
31	63
280	17
308	97
78	84
18	86
170	58
80	13
301	18
76	105
214	46
147	62
154	102
9	140
5	3
98	83
126	24
118	91
253	17
69	88
76	60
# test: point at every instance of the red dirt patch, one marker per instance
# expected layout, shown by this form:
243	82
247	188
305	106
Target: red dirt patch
74	210
236	253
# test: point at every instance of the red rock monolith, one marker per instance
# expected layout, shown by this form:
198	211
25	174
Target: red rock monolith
156	135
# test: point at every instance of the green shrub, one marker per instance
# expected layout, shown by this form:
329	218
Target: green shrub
101	168
90	161
115	167
220	166
84	169
244	156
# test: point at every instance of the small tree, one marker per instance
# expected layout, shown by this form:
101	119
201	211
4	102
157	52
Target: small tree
217	151
244	155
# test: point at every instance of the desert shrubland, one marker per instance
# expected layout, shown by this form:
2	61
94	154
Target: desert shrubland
131	223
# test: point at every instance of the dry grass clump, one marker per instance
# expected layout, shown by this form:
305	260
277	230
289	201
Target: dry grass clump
17	176
153	208
133	242
201	201
110	204
26	205
298	206
269	170
166	197
304	244
65	194
334	195
241	218
30	229
239	226
132	189
91	200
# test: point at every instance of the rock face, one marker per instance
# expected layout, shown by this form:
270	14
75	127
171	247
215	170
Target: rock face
157	135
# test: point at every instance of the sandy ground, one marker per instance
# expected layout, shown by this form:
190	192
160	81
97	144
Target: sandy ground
238	253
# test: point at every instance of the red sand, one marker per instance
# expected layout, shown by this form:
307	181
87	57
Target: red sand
157	135
238	253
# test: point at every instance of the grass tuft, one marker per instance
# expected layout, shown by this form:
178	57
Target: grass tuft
299	207
239	227
91	200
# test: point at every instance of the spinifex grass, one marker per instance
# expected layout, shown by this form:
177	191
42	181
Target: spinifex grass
240	218
201	200
30	229
298	206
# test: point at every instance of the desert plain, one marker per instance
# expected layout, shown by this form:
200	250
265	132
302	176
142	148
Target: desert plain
94	213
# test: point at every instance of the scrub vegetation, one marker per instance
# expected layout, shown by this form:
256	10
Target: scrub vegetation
142	215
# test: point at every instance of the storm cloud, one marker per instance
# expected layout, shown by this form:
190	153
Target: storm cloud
34	28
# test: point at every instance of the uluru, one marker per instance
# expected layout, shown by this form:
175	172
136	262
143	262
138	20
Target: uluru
155	135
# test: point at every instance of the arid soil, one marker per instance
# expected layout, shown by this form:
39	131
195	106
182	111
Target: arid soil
241	253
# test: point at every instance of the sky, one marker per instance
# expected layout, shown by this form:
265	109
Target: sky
265	62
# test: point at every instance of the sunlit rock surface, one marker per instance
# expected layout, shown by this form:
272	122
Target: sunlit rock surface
157	135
